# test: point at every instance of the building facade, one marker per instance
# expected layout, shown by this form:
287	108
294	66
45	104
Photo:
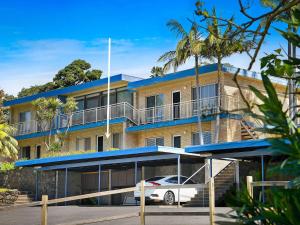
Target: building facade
157	111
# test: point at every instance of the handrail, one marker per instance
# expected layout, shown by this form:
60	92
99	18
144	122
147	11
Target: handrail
270	183
195	173
91	195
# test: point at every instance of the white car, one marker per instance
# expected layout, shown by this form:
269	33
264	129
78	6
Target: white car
169	196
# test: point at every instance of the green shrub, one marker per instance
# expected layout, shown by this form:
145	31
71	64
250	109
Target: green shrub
6	166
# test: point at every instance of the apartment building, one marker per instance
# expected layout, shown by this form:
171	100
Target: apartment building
144	113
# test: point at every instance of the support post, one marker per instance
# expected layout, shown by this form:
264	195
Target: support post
56	184
211	168
124	134
36	185
263	177
44	218
211	190
135	173
249	185
178	178
142	202
99	183
66	183
143	173
109	185
237	175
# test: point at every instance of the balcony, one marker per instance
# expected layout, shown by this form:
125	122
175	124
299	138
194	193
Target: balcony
170	112
120	110
184	110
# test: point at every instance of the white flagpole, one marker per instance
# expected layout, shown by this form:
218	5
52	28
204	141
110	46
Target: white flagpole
108	90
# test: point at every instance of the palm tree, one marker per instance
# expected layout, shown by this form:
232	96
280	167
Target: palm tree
222	44
191	45
157	71
8	145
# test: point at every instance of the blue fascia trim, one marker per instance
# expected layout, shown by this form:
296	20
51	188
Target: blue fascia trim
71	129
89	156
172	76
71	89
260	143
193	119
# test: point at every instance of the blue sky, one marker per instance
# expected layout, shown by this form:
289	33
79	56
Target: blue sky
37	38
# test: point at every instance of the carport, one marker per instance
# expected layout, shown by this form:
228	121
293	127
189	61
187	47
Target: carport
96	162
251	150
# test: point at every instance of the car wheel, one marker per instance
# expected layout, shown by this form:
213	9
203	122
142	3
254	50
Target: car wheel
169	198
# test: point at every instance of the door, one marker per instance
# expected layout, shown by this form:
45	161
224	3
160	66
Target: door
100	144
150	107
177	141
176	105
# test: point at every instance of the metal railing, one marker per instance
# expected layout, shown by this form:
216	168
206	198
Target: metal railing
119	110
167	112
188	109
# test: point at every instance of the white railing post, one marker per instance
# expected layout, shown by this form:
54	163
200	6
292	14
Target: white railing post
97	114
124	108
142	203
83	119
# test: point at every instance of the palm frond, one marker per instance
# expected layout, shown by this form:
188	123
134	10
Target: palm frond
177	28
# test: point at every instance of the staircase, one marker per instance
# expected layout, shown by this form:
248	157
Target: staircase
224	180
23	198
247	131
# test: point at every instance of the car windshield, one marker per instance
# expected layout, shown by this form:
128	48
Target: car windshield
154	179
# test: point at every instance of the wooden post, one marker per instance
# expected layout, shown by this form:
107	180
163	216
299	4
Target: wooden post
44	219
249	185
142	202
211	190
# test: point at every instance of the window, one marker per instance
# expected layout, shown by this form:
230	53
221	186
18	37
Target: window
24	117
183	179
206	91
173	180
124	96
38	151
80	103
116	140
155	141
100	98
26	152
154	112
208	102
87	144
83	144
92	101
154	179
206	138
177	141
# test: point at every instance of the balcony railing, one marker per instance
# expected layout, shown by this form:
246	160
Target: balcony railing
183	110
120	110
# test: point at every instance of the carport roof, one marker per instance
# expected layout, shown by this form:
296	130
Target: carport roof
114	154
235	146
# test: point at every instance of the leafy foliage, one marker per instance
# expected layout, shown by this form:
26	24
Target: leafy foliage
157	71
283	205
77	72
46	112
8	145
6	166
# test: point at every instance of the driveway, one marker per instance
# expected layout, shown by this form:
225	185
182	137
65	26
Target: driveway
75	215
